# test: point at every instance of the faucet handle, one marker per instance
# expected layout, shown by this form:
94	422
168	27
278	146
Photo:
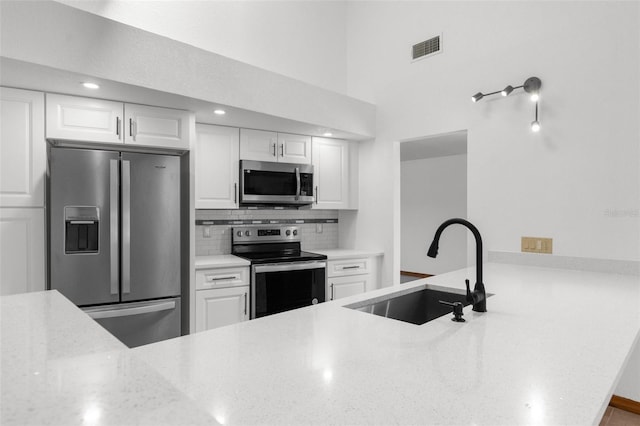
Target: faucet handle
468	288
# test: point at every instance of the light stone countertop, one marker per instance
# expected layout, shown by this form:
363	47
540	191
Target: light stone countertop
339	254
220	261
549	350
59	367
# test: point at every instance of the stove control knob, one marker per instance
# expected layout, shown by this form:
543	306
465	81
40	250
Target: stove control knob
295	232
239	233
247	233
288	232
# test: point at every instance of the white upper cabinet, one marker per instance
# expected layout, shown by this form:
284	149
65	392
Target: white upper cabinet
331	181
158	127
261	145
294	148
94	120
258	145
23	149
84	119
217	166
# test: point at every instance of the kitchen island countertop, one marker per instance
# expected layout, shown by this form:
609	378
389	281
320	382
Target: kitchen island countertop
549	350
59	367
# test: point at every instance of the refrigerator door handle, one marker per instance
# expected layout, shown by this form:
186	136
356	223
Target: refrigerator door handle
135	310
113	224
126	226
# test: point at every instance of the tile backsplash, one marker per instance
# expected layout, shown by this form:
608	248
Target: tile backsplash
218	240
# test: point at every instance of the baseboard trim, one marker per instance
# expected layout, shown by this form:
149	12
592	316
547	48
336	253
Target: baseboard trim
625	404
415	274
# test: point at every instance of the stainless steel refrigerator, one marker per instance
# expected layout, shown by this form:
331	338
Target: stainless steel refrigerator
114	239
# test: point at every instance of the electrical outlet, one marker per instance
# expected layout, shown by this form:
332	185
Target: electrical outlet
206	232
536	245
318	228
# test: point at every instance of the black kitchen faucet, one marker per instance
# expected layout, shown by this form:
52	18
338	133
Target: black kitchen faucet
479	296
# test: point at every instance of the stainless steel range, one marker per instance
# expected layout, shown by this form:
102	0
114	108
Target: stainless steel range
283	277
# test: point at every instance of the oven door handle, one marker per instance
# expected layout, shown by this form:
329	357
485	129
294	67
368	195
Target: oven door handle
288	266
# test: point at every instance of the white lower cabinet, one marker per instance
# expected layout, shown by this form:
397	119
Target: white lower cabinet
347	277
340	287
220	307
222	296
22	248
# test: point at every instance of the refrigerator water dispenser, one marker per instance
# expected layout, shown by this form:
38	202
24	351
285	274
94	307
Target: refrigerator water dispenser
81	229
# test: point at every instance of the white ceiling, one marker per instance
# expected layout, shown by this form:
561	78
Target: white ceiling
434	146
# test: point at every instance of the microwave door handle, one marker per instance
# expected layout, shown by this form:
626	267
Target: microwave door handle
297	182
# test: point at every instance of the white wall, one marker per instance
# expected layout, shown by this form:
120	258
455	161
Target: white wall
432	191
51	34
577	181
561	183
303	40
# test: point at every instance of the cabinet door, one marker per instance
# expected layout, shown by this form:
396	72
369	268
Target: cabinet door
22	246
84	119
217	167
219	307
294	148
331	173
340	287
23	150
258	145
158	127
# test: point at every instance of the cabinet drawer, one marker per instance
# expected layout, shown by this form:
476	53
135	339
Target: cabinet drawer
221	277
341	268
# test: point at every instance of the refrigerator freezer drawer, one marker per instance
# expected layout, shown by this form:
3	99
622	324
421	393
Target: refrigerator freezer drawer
140	323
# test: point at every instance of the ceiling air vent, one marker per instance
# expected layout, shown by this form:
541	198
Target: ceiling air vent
426	48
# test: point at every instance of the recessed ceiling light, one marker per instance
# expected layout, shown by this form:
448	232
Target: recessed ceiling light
327	134
219	112
92	86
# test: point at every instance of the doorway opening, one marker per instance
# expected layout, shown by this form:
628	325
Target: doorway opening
433	188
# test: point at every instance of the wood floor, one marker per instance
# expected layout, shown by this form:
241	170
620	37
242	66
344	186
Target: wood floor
617	417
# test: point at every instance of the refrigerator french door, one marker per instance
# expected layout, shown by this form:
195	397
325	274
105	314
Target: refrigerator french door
114	246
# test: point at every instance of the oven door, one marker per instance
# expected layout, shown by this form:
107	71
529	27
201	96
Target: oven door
275	183
280	287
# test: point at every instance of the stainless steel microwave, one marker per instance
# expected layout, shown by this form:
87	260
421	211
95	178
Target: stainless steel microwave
263	182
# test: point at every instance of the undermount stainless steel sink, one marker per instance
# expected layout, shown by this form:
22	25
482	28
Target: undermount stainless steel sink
417	307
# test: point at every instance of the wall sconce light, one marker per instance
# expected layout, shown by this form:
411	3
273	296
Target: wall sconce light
532	86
